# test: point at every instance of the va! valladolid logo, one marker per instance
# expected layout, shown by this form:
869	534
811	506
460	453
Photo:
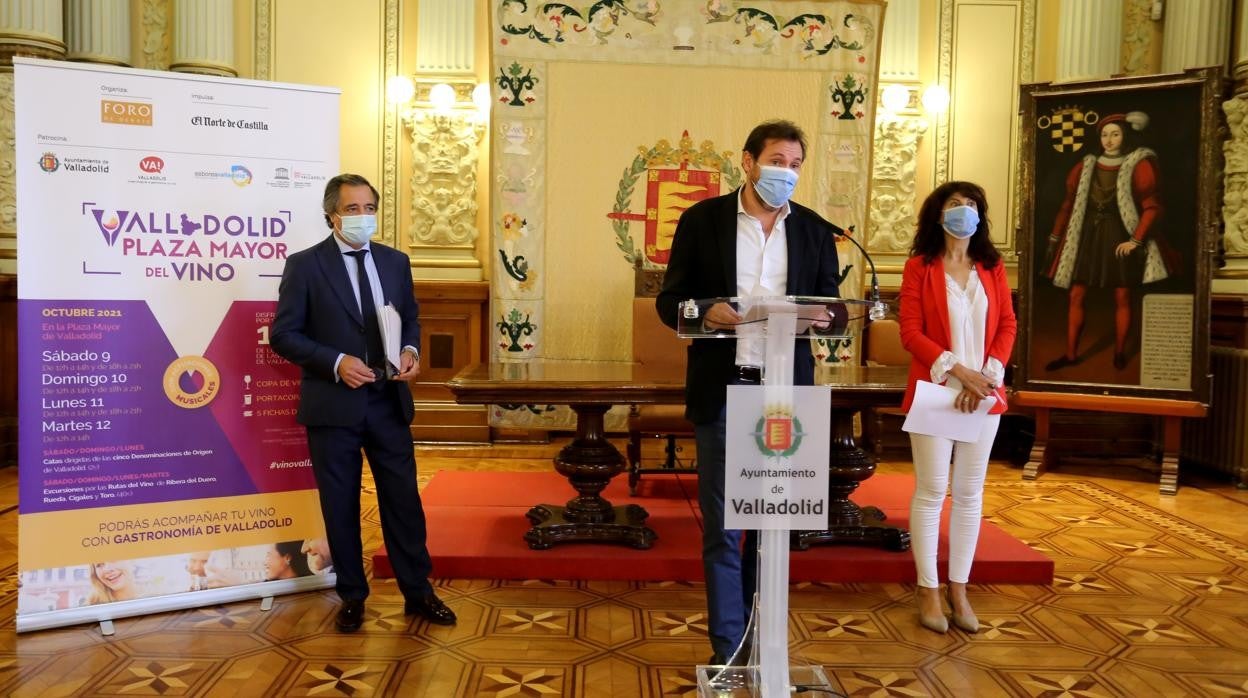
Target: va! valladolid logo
778	434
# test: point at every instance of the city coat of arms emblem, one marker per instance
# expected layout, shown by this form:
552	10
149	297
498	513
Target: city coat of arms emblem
676	178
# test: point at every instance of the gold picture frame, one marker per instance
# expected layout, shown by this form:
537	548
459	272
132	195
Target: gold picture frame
1118	234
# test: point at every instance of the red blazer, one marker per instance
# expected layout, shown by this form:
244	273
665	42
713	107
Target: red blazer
925	321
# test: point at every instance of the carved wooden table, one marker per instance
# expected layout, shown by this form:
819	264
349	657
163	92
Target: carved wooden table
590	461
855	388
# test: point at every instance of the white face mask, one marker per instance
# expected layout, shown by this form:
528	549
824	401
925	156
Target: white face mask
960	221
775	184
357	230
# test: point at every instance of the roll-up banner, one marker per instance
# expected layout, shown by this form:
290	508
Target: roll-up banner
160	464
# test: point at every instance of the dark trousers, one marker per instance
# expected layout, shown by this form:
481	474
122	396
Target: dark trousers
731	572
384	437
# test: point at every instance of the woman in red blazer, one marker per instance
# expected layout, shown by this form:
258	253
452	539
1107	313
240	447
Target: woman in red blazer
957	322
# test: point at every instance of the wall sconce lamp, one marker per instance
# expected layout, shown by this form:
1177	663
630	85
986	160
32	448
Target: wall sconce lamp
936	99
442	98
400	89
895	97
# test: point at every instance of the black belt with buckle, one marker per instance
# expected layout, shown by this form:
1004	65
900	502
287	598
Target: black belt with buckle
750	375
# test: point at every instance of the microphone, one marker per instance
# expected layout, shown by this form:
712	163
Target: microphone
878	308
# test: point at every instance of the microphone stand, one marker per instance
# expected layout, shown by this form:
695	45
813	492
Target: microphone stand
878	308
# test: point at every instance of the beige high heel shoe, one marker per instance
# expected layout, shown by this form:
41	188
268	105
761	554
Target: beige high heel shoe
937	623
964	621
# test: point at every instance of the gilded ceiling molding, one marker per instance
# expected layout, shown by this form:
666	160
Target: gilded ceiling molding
264	40
157	39
1137	36
390	131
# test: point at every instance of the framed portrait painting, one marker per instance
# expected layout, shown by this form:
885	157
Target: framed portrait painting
1118	228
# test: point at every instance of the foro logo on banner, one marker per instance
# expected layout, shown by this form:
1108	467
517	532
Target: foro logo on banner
129	113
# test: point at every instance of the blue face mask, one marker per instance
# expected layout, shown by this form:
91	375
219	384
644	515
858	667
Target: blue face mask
357	230
775	184
960	221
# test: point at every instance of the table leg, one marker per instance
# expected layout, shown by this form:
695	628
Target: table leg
1039	458
589	463
849	465
1170	455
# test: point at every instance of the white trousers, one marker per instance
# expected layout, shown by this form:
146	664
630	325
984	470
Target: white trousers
932	458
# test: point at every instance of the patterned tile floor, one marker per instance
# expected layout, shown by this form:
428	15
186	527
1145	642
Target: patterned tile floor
1150	598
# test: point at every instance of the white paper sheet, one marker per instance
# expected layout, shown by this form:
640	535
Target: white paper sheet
391	336
934	414
755	311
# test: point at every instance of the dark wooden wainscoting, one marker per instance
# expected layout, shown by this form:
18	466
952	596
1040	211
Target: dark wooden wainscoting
452	335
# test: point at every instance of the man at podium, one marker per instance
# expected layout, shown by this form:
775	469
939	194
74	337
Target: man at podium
750	242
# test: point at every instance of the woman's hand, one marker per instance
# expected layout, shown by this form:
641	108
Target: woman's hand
967	401
974	382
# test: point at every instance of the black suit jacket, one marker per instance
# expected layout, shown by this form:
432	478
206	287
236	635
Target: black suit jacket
703	264
318	319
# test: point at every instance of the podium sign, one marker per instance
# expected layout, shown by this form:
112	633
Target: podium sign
777	458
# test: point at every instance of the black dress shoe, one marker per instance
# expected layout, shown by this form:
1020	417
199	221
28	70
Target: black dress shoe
717	659
1120	361
350	616
431	608
1060	362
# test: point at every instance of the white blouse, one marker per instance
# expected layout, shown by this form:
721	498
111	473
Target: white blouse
968	323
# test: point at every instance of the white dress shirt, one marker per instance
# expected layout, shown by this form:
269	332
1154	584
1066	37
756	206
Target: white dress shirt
374	283
968	326
762	270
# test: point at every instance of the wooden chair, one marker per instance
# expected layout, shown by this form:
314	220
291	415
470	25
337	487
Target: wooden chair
882	347
657	346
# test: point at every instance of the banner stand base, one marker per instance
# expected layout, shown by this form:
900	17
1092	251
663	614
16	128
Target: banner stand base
266	604
105	614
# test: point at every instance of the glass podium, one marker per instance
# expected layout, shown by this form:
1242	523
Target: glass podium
816	316
760	668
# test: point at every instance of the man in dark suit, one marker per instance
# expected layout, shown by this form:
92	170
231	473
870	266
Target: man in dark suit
752	242
351	397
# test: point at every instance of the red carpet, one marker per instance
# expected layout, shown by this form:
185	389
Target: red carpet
477	523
